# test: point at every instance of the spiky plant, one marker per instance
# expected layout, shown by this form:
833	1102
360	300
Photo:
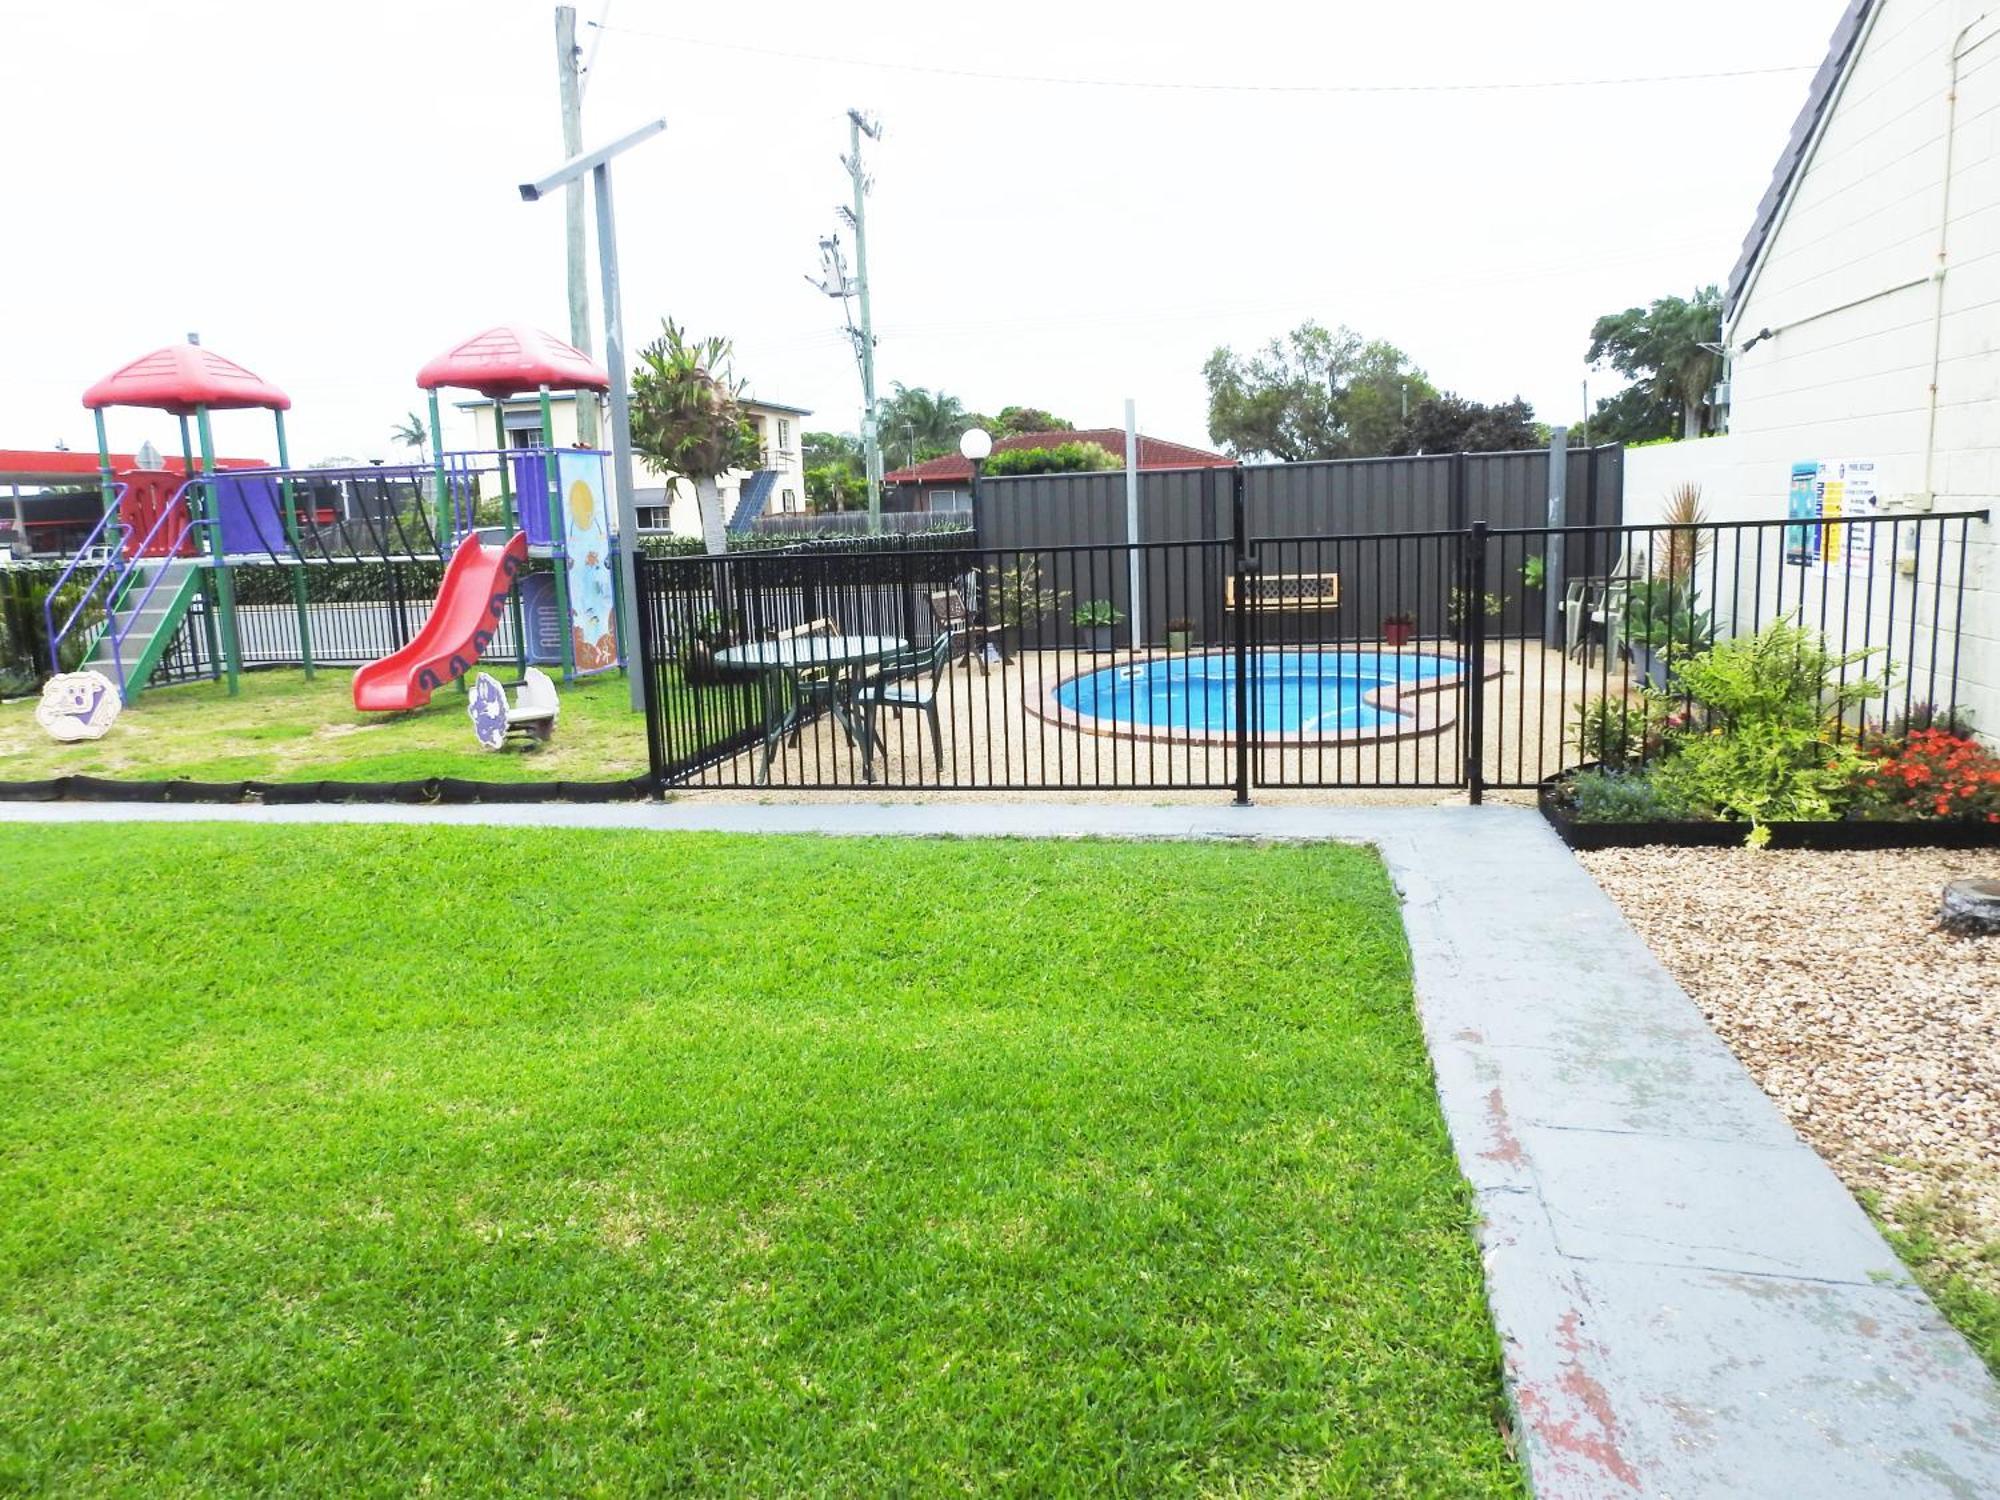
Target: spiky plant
1686	541
688	421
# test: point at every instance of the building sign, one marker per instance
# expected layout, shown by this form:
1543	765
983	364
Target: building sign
593	620
1825	491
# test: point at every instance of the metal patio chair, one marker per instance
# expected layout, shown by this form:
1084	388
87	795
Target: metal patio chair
817	688
901	683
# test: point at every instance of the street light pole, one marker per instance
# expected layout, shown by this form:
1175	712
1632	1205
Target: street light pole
598	164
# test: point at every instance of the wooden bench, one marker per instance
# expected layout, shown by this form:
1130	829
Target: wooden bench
1301	591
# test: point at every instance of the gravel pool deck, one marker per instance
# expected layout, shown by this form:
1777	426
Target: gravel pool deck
1876	1034
1002	735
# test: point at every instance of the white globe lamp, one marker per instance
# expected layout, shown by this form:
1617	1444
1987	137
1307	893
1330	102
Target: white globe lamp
976	444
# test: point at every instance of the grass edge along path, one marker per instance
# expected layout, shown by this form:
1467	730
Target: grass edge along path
474	1160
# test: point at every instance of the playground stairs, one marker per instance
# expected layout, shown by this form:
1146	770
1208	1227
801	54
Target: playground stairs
756	494
149	621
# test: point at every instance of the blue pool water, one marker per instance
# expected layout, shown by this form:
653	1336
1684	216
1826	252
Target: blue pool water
1291	692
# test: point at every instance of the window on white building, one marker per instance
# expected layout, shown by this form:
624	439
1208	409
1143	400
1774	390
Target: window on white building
784	432
791	500
524	426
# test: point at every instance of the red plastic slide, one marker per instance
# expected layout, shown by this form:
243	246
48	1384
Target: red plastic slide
462	624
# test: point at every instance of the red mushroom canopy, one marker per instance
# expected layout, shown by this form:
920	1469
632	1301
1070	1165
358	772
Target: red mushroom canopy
512	358
180	378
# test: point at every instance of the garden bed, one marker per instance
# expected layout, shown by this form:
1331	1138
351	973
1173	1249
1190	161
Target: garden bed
1830	834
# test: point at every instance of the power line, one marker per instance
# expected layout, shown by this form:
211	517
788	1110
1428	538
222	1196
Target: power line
589	63
1171	86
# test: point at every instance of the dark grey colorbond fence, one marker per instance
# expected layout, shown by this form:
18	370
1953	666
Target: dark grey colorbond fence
1432	492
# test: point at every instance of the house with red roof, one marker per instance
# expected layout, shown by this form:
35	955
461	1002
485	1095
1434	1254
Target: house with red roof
943	485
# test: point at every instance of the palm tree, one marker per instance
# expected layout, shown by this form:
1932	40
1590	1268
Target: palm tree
931	421
412	433
687	418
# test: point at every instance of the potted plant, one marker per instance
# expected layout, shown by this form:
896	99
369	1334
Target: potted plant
713	632
1094	620
1017	596
1398	629
1180	634
1662	619
1461	599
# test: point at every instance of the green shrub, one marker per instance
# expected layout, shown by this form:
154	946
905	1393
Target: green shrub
1764	772
24	635
1764	741
1019	596
1622	797
1618	732
1457	608
1664	614
1063	458
1784	674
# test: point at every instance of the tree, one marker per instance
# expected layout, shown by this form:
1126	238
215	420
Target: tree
1659	348
1311	394
1452	424
1636	414
1063	458
688	421
919	422
1017	421
836	478
412	433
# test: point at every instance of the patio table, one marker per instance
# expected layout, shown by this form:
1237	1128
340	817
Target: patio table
782	663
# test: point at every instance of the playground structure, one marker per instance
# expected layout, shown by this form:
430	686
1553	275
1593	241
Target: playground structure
522	535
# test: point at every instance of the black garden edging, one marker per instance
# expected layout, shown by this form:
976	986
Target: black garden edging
435	790
1833	834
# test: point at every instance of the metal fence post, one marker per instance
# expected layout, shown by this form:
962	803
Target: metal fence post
1244	567
648	654
1474	609
1554	562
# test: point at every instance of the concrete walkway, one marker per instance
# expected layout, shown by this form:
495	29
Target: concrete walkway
1690	1302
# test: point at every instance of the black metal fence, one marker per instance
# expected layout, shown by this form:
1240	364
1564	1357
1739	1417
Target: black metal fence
24	647
1451	657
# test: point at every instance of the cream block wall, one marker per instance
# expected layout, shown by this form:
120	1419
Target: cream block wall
1846	372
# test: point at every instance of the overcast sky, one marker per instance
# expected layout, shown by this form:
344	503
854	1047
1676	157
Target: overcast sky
327	190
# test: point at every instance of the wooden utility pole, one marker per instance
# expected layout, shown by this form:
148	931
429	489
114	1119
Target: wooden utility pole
567	56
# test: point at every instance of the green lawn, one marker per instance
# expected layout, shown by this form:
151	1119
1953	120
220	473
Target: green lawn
479	1161
281	727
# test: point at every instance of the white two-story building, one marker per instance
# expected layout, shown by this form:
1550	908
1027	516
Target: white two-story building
1863	328
665	507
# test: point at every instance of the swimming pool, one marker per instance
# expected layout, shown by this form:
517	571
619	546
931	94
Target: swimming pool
1303	697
